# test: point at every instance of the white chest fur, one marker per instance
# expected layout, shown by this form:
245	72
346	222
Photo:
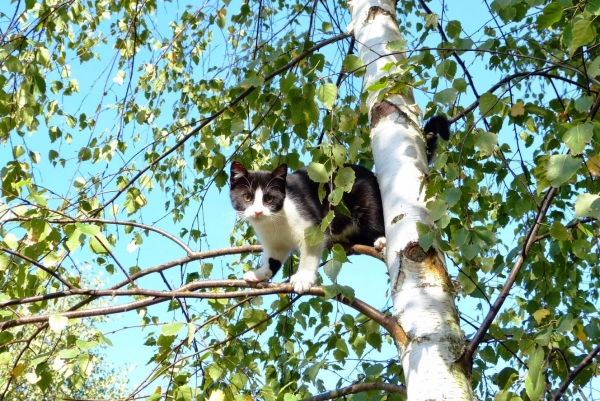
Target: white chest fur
282	230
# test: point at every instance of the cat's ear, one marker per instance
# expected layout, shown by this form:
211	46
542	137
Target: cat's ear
280	171
237	171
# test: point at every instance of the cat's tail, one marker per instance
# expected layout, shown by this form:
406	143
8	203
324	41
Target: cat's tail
438	125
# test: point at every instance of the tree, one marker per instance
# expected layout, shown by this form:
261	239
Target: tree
117	167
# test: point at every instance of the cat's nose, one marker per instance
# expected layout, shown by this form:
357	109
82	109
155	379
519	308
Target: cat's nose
258	212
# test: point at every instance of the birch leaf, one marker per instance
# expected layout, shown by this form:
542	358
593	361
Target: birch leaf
58	323
487	142
327	94
534	382
332	269
171	329
313	235
317	172
578	137
561	168
587	205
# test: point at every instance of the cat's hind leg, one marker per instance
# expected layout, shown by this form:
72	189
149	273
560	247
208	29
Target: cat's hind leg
380	243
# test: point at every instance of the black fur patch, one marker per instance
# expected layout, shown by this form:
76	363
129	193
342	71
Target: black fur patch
437	125
274	265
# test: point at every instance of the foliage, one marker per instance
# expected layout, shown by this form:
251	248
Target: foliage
119	118
59	361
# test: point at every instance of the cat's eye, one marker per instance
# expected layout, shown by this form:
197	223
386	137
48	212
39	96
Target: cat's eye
247	197
268	199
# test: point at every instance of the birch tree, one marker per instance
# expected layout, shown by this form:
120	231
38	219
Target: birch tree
422	292
118	121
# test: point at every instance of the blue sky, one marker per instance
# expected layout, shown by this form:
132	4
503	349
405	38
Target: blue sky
367	276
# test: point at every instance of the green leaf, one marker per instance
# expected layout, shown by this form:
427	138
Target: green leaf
352	63
470	251
327	94
453	29
313	235
551	14
267	394
397	45
87	229
4	261
561	168
99	244
254	81
332	269
58	323
426	234
487	142
374	370
578	137
593	7
183	393
5	358
344	178
327	220
534	382
171	329
317	172
489	104
583	33
339	254
86	345
437	209
587	205
18	151
68	353
446	96
446	69
359	344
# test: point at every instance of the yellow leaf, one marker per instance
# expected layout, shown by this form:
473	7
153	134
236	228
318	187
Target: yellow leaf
517	109
579	333
16	372
593	165
540	315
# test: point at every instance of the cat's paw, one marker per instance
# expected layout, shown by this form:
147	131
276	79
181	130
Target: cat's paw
302	281
256	276
380	243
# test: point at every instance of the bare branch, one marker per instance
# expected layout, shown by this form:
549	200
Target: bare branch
530	240
156	297
573	374
114	222
358	388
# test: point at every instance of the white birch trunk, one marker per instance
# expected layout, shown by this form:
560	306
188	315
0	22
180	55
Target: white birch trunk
422	292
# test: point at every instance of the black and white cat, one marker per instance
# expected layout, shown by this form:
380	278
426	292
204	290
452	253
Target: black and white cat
281	206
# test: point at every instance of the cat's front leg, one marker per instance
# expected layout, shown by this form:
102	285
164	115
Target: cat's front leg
305	278
271	264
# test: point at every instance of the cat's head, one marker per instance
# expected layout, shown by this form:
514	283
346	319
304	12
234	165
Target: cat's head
257	195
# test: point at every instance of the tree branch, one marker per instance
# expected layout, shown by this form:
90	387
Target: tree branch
571	376
358	388
185	291
115	222
495	309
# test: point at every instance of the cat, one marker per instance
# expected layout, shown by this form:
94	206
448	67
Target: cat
280	207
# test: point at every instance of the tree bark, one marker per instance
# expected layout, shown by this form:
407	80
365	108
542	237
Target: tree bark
422	292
